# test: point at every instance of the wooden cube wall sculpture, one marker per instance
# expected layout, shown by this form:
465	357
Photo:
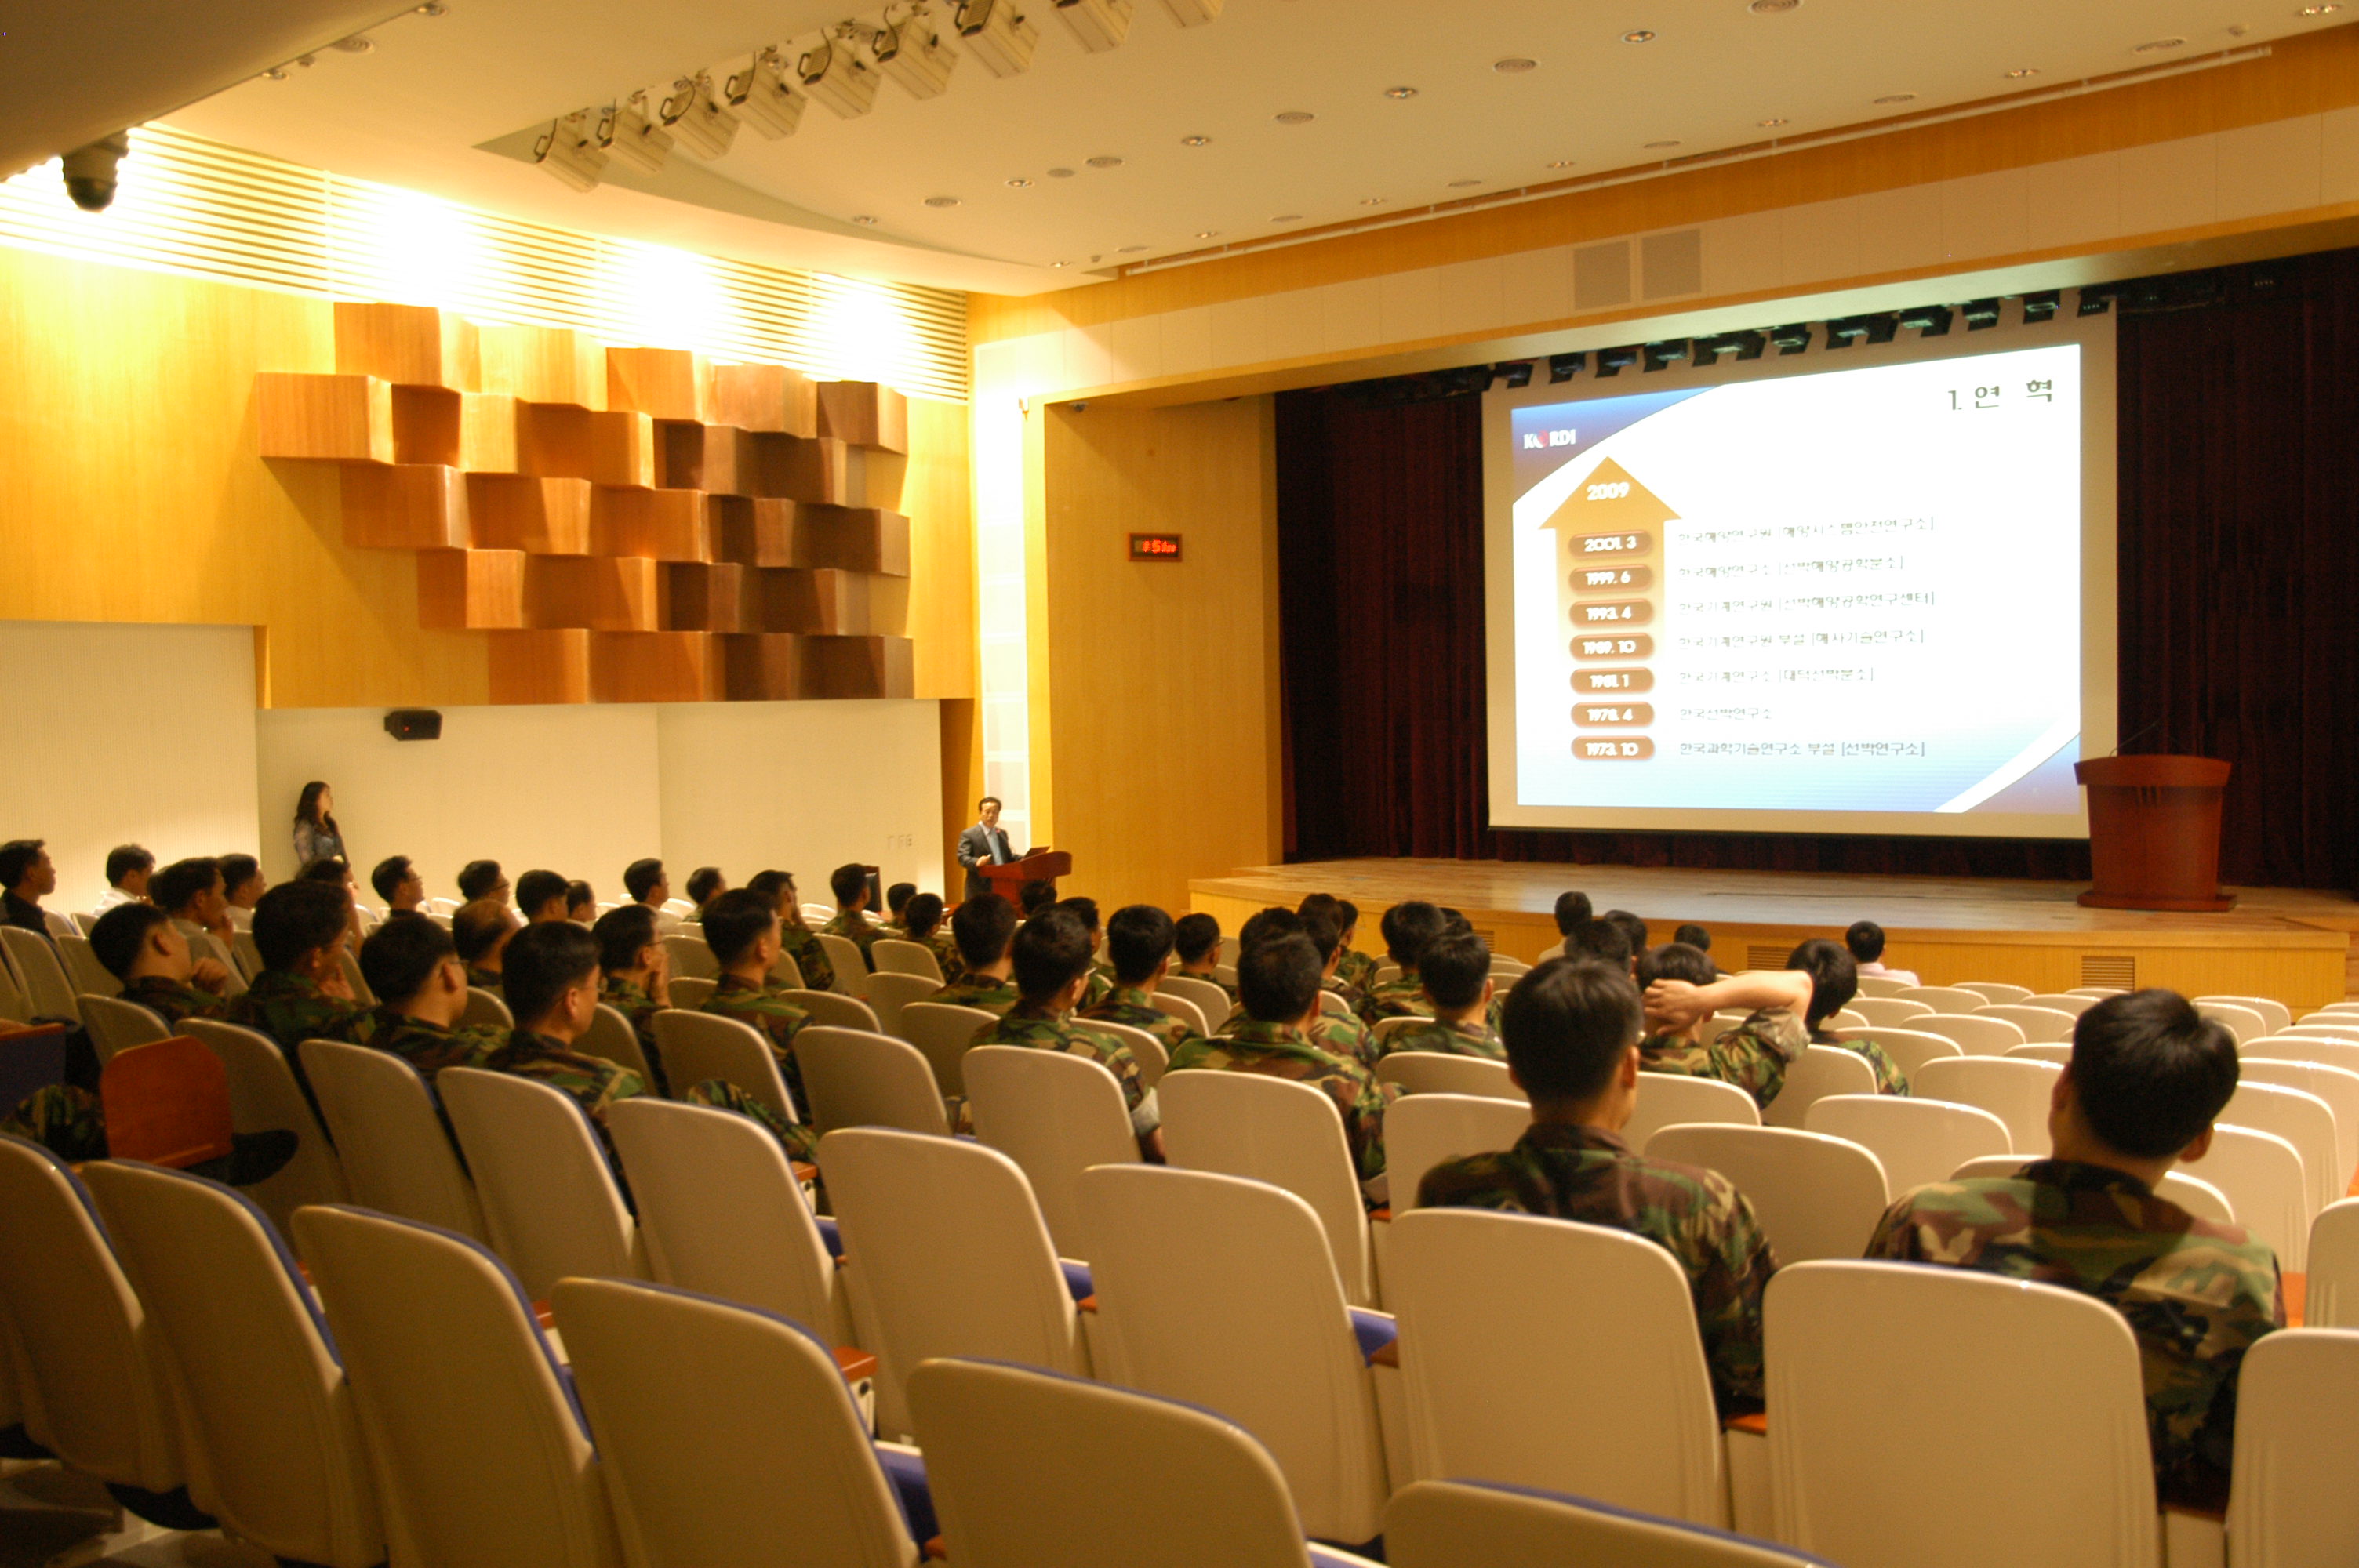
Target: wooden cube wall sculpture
628	525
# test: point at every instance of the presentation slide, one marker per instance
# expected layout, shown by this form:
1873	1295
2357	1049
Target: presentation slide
1848	599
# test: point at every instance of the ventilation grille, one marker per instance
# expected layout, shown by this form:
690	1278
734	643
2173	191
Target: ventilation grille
202	209
2118	970
1756	957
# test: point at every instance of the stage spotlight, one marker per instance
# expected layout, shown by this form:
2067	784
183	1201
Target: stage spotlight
697	119
1193	13
1844	333
997	34
638	140
1792	339
570	151
1564	367
913	54
834	74
1884	328
1518	372
1658	355
1981	315
1613	362
1749	344
767	97
2041	306
1928	321
1100	24
2095	301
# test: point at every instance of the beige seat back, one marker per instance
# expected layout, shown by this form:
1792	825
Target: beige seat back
205	944
1666	1100
611	1038
2275	1014
1507	1321
1423	1131
687	994
1447	1073
118	1025
698	1046
485	1009
1182	1007
2262	1177
2057	1050
47	989
943	1032
721	1213
691	956
2338	1086
1882	986
2333	1293
1145	1048
2016	1091
843	957
2038	1024
1843	1347
83	971
1909	1048
889	992
1055	1115
1917	1140
750	1450
854	1078
550	1201
1815	1196
837	1009
1467	1524
1946	999
2291	1503
1209	1000
1891	1010
396	1157
1994	990
896	956
1975	1035
265	1397
264	1095
429	1324
2302	1119
2333	1052
1818	1072
2243	1022
2062	1002
785	972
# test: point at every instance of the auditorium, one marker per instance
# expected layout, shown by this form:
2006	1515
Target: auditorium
1249	783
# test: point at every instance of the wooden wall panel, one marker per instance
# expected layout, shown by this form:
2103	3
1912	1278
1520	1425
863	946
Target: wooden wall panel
934	490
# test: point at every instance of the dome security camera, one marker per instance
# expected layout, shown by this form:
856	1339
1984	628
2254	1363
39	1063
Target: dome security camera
90	171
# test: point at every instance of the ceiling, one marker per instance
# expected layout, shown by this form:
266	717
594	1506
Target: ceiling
443	104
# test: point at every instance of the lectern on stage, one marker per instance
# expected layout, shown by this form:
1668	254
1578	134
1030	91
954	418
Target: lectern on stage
2154	832
1038	866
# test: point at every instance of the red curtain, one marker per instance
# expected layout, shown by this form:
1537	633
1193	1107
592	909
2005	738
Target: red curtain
2239	554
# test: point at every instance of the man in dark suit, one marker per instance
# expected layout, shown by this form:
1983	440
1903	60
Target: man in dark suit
984	844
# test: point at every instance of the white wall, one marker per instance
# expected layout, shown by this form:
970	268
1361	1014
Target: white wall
127	734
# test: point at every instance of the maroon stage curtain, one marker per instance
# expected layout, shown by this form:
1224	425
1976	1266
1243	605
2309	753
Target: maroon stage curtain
2239	557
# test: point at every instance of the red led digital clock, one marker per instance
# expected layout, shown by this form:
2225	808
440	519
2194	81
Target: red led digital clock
1155	546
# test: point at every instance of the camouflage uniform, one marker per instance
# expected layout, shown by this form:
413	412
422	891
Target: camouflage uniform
172	1000
64	1119
291	1009
483	979
1026	1025
1356	970
1331	1032
1281	1050
1350	993
1889	1079
1462	1039
1754	1055
1128	1004
985	991
629	998
1403	996
809	957
944	948
854	928
430	1047
1588	1175
2195	1292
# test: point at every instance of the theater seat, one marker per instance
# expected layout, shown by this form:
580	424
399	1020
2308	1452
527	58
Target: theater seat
1446	1072
549	1200
1423	1131
2332	1299
1474	1524
2291	1504
844	958
836	1009
263	1096
888	993
699	1046
1815	1196
1918	1141
1666	1099
117	1025
1818	1072
854	1078
2016	1091
611	1038
1055	1115
397	1156
943	1032
896	956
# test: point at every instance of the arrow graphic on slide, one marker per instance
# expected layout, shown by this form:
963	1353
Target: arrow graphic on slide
1611	532
1608	501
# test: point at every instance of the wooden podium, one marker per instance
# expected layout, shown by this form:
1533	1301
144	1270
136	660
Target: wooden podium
2154	832
1038	866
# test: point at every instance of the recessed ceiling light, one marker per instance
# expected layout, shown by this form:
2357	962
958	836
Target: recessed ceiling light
1773	122
1207	233
1195	141
1288	218
1560	163
1897	98
941	201
1659	146
1132	249
1514	65
1105	160
865	219
276	73
1019	183
1639	35
2020	72
433	8
1461	184
356	44
1061	263
1773	8
1400	92
1061	174
2326	10
1296	117
1373	200
2156	46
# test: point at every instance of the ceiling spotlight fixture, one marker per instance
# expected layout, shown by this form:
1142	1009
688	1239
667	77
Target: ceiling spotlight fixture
569	149
1659	146
1564	367
1639	35
1614	361
1208	234
1514	65
1061	263
433	8
2326	10
697	119
2021	72
1195	141
1773	122
1400	92
1019	183
1897	98
2041	306
997	34
941	201
1462	184
913	54
1295	116
1981	314
865	219
1105	160
834	74
1792	340
1061	174
1517	373
359	43
1773	8
766	96
638	139
2157	46
1100	24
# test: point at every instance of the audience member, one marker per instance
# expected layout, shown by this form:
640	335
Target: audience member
896	903
480	880
400	885
1139	940
742	929
634	978
27	877
1035	896
338	875
128	867
1196	942
1697	937
421	995
1279	979
1600	941
1680	997
1571	909
317	836
553	989
191	891
139	946
580	903
482	929
1833	982
1456	977
1052	956
646	883
1407	928
1339	1034
541	897
1328	907
923	921
800	943
1633	929
1356	970
1572	1030
1865	940
984	929
242	884
704	884
300	928
2147	1078
850	922
1101	980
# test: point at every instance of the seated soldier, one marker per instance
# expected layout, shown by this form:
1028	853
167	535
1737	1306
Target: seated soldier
1601	941
1101	983
922	922
27	875
1695	936
1407	927
1571	909
1866	941
1356	969
1279	978
1833	982
421	995
704	884
300	928
400	885
1340	1035
140	946
984	929
2149	1075
483	879
553	989
541	897
647	882
580	903
850	922
191	891
1139	940
128	867
242	884
1633	929
481	930
1035	896
800	942
1052	967
634	978
1198	947
742	929
334	874
1572	1029
897	908
1328	907
1456	977
1681	996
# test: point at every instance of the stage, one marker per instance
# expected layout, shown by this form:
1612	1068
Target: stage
2292	944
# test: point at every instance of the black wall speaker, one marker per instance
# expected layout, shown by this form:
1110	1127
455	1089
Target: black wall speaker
414	724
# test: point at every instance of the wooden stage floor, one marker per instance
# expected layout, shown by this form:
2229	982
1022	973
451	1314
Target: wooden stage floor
2290	942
